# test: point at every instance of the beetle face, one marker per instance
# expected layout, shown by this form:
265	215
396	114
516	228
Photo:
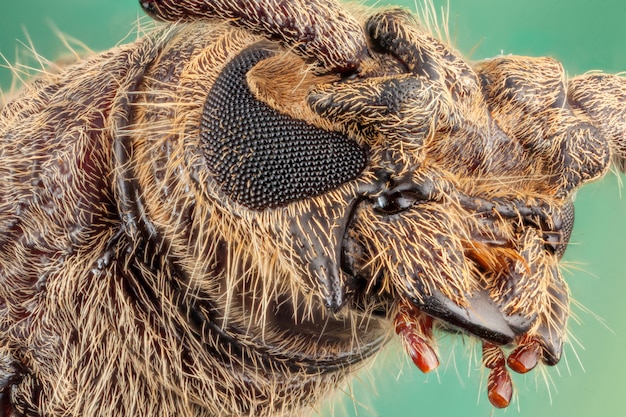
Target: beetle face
418	188
425	188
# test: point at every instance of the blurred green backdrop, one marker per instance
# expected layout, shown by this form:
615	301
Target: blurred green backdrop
585	36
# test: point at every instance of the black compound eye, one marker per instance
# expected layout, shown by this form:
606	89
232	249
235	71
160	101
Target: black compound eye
265	159
557	242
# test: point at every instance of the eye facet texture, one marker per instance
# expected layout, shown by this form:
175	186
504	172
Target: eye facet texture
265	159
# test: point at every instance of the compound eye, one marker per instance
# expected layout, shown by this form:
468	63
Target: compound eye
556	241
262	158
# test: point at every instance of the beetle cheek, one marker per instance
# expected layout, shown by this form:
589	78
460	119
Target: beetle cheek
418	255
414	250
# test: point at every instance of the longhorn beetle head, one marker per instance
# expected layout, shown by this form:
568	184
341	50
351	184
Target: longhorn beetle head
400	180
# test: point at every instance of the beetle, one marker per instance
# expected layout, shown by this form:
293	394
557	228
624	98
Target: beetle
390	203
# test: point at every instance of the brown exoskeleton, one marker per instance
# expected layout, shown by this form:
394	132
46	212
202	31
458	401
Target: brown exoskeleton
229	218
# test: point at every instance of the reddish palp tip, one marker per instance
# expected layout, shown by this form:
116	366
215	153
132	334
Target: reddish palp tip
421	353
525	357
415	329
499	388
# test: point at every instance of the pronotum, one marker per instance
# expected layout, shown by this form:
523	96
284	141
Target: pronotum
21	370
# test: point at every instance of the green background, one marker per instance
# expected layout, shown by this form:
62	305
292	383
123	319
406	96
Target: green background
582	34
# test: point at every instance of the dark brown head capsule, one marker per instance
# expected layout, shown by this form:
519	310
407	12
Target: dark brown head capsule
228	216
